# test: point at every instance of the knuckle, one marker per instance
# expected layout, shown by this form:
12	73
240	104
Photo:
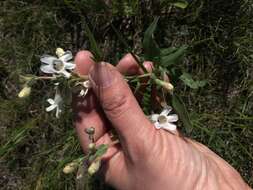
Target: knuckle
116	105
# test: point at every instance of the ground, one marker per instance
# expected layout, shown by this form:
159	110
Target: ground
35	146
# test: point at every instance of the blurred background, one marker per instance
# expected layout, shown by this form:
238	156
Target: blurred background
34	146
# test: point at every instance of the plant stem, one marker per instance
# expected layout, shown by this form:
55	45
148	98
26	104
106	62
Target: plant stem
138	76
45	78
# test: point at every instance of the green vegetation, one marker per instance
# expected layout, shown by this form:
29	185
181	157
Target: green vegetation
216	85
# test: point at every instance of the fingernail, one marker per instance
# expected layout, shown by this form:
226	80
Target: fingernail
102	75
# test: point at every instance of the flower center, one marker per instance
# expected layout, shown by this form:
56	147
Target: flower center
58	65
162	119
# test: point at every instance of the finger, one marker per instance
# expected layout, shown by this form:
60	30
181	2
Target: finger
120	107
84	62
87	113
148	65
128	66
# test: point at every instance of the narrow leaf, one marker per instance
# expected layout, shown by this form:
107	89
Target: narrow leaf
174	57
181	4
167	51
101	150
120	37
150	47
124	42
181	110
94	47
194	84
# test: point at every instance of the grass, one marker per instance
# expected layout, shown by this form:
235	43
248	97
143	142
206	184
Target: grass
35	146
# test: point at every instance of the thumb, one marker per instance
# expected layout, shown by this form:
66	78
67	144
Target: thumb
121	107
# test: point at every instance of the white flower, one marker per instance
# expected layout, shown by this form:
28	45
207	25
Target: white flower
55	103
60	65
164	120
86	86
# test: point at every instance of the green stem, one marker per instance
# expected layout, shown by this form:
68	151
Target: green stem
138	76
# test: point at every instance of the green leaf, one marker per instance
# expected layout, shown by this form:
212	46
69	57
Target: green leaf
120	37
181	4
101	150
150	47
174	57
181	110
94	47
167	51
18	136
194	84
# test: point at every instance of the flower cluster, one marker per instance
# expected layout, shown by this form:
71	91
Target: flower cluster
56	67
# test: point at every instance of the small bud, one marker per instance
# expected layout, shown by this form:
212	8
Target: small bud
59	52
166	85
90	130
70	168
24	92
92	146
94	167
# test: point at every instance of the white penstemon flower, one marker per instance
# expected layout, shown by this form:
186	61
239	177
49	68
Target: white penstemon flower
55	103
164	120
60	65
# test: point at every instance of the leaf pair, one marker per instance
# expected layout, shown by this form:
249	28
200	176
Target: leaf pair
189	81
171	56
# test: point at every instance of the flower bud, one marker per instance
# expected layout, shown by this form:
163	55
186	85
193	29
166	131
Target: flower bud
70	168
92	146
24	92
94	167
59	52
90	130
166	85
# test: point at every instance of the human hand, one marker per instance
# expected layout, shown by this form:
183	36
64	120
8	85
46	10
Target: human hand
146	158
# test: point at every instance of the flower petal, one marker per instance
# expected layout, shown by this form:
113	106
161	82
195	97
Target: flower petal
166	111
85	92
57	98
169	126
65	73
47	69
81	93
87	84
172	118
51	101
47	59
66	56
58	111
157	125
69	65
154	117
50	108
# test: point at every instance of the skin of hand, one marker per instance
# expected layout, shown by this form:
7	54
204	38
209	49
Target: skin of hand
146	158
